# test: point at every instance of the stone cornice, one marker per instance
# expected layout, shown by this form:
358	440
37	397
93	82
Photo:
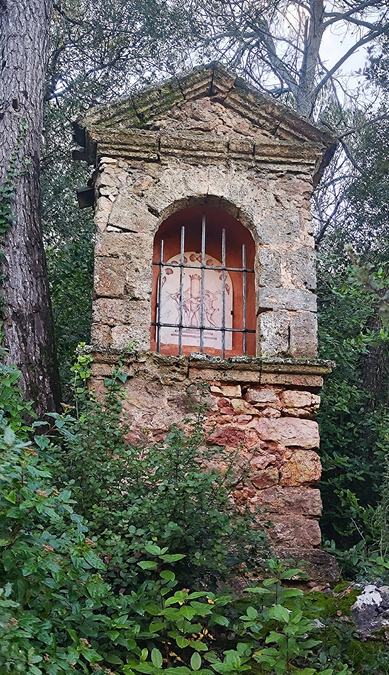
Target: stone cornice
158	146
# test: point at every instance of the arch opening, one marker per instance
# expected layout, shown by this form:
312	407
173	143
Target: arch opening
203	297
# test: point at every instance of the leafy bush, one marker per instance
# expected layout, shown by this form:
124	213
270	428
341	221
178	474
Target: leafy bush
131	494
353	416
59	615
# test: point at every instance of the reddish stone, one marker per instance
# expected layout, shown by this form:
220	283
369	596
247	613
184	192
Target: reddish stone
265	478
231	390
228	436
306	501
304	466
241	407
270	412
225	407
244	495
294	530
289	431
260	462
262	396
299	399
243	419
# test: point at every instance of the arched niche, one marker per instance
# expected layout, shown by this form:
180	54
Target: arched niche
203	296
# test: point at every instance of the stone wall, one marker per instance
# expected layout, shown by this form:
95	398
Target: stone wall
261	412
134	198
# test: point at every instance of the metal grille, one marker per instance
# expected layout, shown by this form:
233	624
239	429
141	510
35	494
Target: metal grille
183	264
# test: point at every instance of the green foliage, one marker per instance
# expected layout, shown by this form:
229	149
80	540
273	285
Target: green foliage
59	614
135	493
13	409
353	417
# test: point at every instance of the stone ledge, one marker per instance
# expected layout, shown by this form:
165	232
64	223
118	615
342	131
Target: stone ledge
279	364
307	373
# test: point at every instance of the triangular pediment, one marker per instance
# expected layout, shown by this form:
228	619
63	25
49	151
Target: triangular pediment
176	103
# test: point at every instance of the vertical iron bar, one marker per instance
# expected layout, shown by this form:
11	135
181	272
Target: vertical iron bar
182	249
158	317
202	282
223	293
244	294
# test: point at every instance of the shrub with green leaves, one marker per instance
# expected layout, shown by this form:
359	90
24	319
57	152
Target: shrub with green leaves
59	614
353	417
130	494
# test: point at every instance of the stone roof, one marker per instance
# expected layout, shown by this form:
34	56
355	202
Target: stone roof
106	124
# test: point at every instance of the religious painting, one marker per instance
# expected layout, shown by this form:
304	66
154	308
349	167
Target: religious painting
195	304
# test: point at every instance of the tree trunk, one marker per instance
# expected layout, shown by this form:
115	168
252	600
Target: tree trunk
28	325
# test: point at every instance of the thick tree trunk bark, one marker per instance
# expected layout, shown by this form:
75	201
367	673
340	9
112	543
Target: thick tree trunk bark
28	326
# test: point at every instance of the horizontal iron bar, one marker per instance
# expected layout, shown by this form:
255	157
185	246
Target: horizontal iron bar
220	330
206	267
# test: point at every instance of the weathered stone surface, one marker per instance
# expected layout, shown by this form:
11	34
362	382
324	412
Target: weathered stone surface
109	311
294	299
230	390
303	334
263	396
293	379
298	269
264	478
101	335
294	530
304	466
241	407
300	403
299	399
228	436
130	214
115	244
289	432
300	500
108	277
273	333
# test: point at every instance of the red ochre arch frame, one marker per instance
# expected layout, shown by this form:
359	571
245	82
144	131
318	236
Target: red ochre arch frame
236	235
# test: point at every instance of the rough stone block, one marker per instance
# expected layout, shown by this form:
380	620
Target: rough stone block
115	244
292	379
109	311
268	267
263	396
303	334
298	269
300	500
273	333
292	398
101	335
265	478
294	299
108	277
131	214
231	390
295	530
241	407
303	467
291	432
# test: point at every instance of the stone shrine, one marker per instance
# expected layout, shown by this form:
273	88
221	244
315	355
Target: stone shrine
205	272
